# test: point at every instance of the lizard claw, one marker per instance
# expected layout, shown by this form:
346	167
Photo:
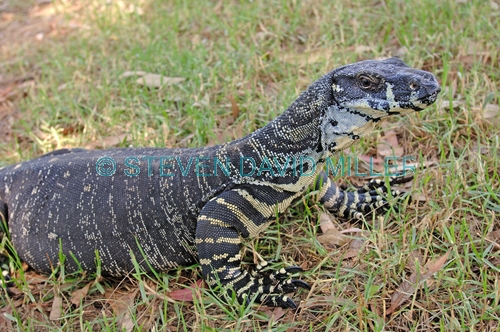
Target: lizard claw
301	284
293	269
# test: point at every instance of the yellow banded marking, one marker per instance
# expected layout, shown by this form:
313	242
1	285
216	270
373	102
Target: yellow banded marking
205	261
231	240
267	210
235	258
206	240
231	272
251	226
214	221
208	261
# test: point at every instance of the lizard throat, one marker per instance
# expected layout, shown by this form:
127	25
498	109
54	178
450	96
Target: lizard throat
342	127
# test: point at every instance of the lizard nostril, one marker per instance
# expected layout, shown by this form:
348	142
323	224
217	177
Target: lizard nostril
414	86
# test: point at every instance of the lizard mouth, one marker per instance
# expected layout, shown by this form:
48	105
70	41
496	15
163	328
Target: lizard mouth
431	98
425	101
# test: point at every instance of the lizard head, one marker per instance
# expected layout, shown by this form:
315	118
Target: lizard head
367	91
381	88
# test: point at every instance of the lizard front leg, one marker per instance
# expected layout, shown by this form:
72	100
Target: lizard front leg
222	223
372	197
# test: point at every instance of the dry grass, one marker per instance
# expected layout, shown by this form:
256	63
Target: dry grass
61	86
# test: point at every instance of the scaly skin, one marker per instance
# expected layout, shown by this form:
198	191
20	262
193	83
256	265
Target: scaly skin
183	211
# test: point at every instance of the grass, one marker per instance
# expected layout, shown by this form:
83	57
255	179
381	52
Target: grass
61	85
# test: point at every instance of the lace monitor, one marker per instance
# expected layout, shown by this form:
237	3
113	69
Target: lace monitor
171	207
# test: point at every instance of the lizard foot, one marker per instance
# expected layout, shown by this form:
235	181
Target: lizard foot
269	287
371	197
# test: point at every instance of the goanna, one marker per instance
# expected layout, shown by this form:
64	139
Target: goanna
171	207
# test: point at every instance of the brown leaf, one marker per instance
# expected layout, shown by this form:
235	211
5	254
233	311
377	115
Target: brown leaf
78	295
408	287
362	49
158	81
415	261
356	245
107	142
152	290
5	323
327	301
133	73
234	107
123	307
274	313
186	294
330	234
34	278
495	238
305	58
123	304
55	312
333	236
454	104
490	113
325	223
390	145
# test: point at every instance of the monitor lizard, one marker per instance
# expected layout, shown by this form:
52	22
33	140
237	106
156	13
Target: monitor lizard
172	207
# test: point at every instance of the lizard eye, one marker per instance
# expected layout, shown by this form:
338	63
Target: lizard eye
367	82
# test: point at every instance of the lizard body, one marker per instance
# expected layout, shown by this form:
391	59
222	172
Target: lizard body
172	207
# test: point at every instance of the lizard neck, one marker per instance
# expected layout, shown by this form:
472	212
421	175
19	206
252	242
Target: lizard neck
291	145
297	131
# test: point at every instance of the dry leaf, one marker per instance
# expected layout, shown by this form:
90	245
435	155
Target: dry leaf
389	146
490	113
401	52
152	80
356	245
122	304
133	73
305	58
333	236
274	313
78	295
325	223
55	312
234	107
408	287
415	260
186	294
122	307
362	49
330	234
495	238
454	104
327	301
152	291
107	142
5	323
158	81
352	230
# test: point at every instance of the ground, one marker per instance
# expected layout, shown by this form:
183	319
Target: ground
101	74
